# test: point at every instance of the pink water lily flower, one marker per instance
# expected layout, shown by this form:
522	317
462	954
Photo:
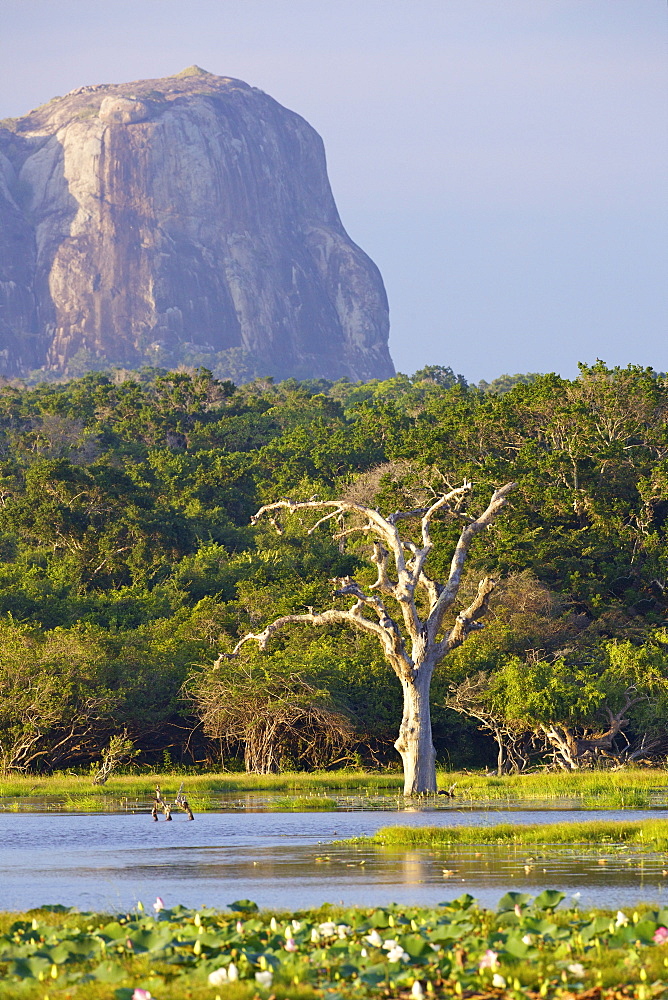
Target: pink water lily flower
159	904
290	944
140	994
660	935
490	960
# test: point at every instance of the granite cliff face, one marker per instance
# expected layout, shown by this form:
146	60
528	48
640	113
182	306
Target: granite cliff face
177	218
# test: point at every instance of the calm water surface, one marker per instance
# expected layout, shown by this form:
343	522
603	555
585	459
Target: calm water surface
294	860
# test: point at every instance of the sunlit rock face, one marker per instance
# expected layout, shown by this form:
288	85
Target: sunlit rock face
191	214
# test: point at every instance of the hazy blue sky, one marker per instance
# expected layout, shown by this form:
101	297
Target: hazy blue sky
504	162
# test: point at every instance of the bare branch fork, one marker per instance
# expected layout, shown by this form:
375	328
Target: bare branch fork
400	563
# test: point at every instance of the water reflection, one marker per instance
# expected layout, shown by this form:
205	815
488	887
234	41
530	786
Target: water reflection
294	860
344	802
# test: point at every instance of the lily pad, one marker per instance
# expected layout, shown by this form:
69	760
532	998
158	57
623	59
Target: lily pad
243	906
549	899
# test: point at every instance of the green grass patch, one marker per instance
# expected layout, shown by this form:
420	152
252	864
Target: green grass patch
626	789
304	803
632	788
140	786
649	835
525	948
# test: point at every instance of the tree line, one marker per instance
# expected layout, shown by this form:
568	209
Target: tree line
129	567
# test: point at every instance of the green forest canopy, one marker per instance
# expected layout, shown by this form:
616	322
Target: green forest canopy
127	561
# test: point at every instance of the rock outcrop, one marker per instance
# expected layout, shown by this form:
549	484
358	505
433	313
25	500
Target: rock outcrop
188	217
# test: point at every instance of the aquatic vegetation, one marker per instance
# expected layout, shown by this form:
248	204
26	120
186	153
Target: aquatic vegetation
304	803
626	789
526	948
649	834
131	788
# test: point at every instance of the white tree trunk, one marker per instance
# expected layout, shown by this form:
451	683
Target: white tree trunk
415	743
369	613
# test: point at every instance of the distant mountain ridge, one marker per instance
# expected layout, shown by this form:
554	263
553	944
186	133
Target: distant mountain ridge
183	219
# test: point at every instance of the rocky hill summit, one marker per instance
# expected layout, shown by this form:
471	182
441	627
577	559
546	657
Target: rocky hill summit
187	219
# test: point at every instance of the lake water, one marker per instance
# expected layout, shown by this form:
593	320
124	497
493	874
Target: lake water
108	861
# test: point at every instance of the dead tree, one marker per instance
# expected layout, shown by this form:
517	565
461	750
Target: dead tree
162	805
513	739
572	750
119	751
414	652
272	718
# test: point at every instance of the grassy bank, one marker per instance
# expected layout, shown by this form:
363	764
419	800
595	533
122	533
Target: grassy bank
626	789
526	948
124	790
632	788
648	835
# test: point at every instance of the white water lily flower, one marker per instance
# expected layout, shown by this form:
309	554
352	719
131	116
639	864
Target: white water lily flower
364	953
374	939
217	977
416	990
296	926
397	954
498	981
232	973
622	920
577	970
240	927
389	944
315	936
342	930
327	928
526	939
272	924
264	978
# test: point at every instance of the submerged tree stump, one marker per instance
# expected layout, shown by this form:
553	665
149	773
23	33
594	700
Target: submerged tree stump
161	805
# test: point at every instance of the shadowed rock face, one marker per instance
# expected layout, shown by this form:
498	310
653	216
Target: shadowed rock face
191	213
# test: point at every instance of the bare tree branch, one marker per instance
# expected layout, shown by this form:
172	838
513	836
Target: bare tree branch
467	620
385	631
414	668
449	592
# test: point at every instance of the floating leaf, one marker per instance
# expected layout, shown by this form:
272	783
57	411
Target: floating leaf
549	899
513	899
109	972
374	975
29	968
415	945
243	906
150	940
516	947
114	931
379	918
